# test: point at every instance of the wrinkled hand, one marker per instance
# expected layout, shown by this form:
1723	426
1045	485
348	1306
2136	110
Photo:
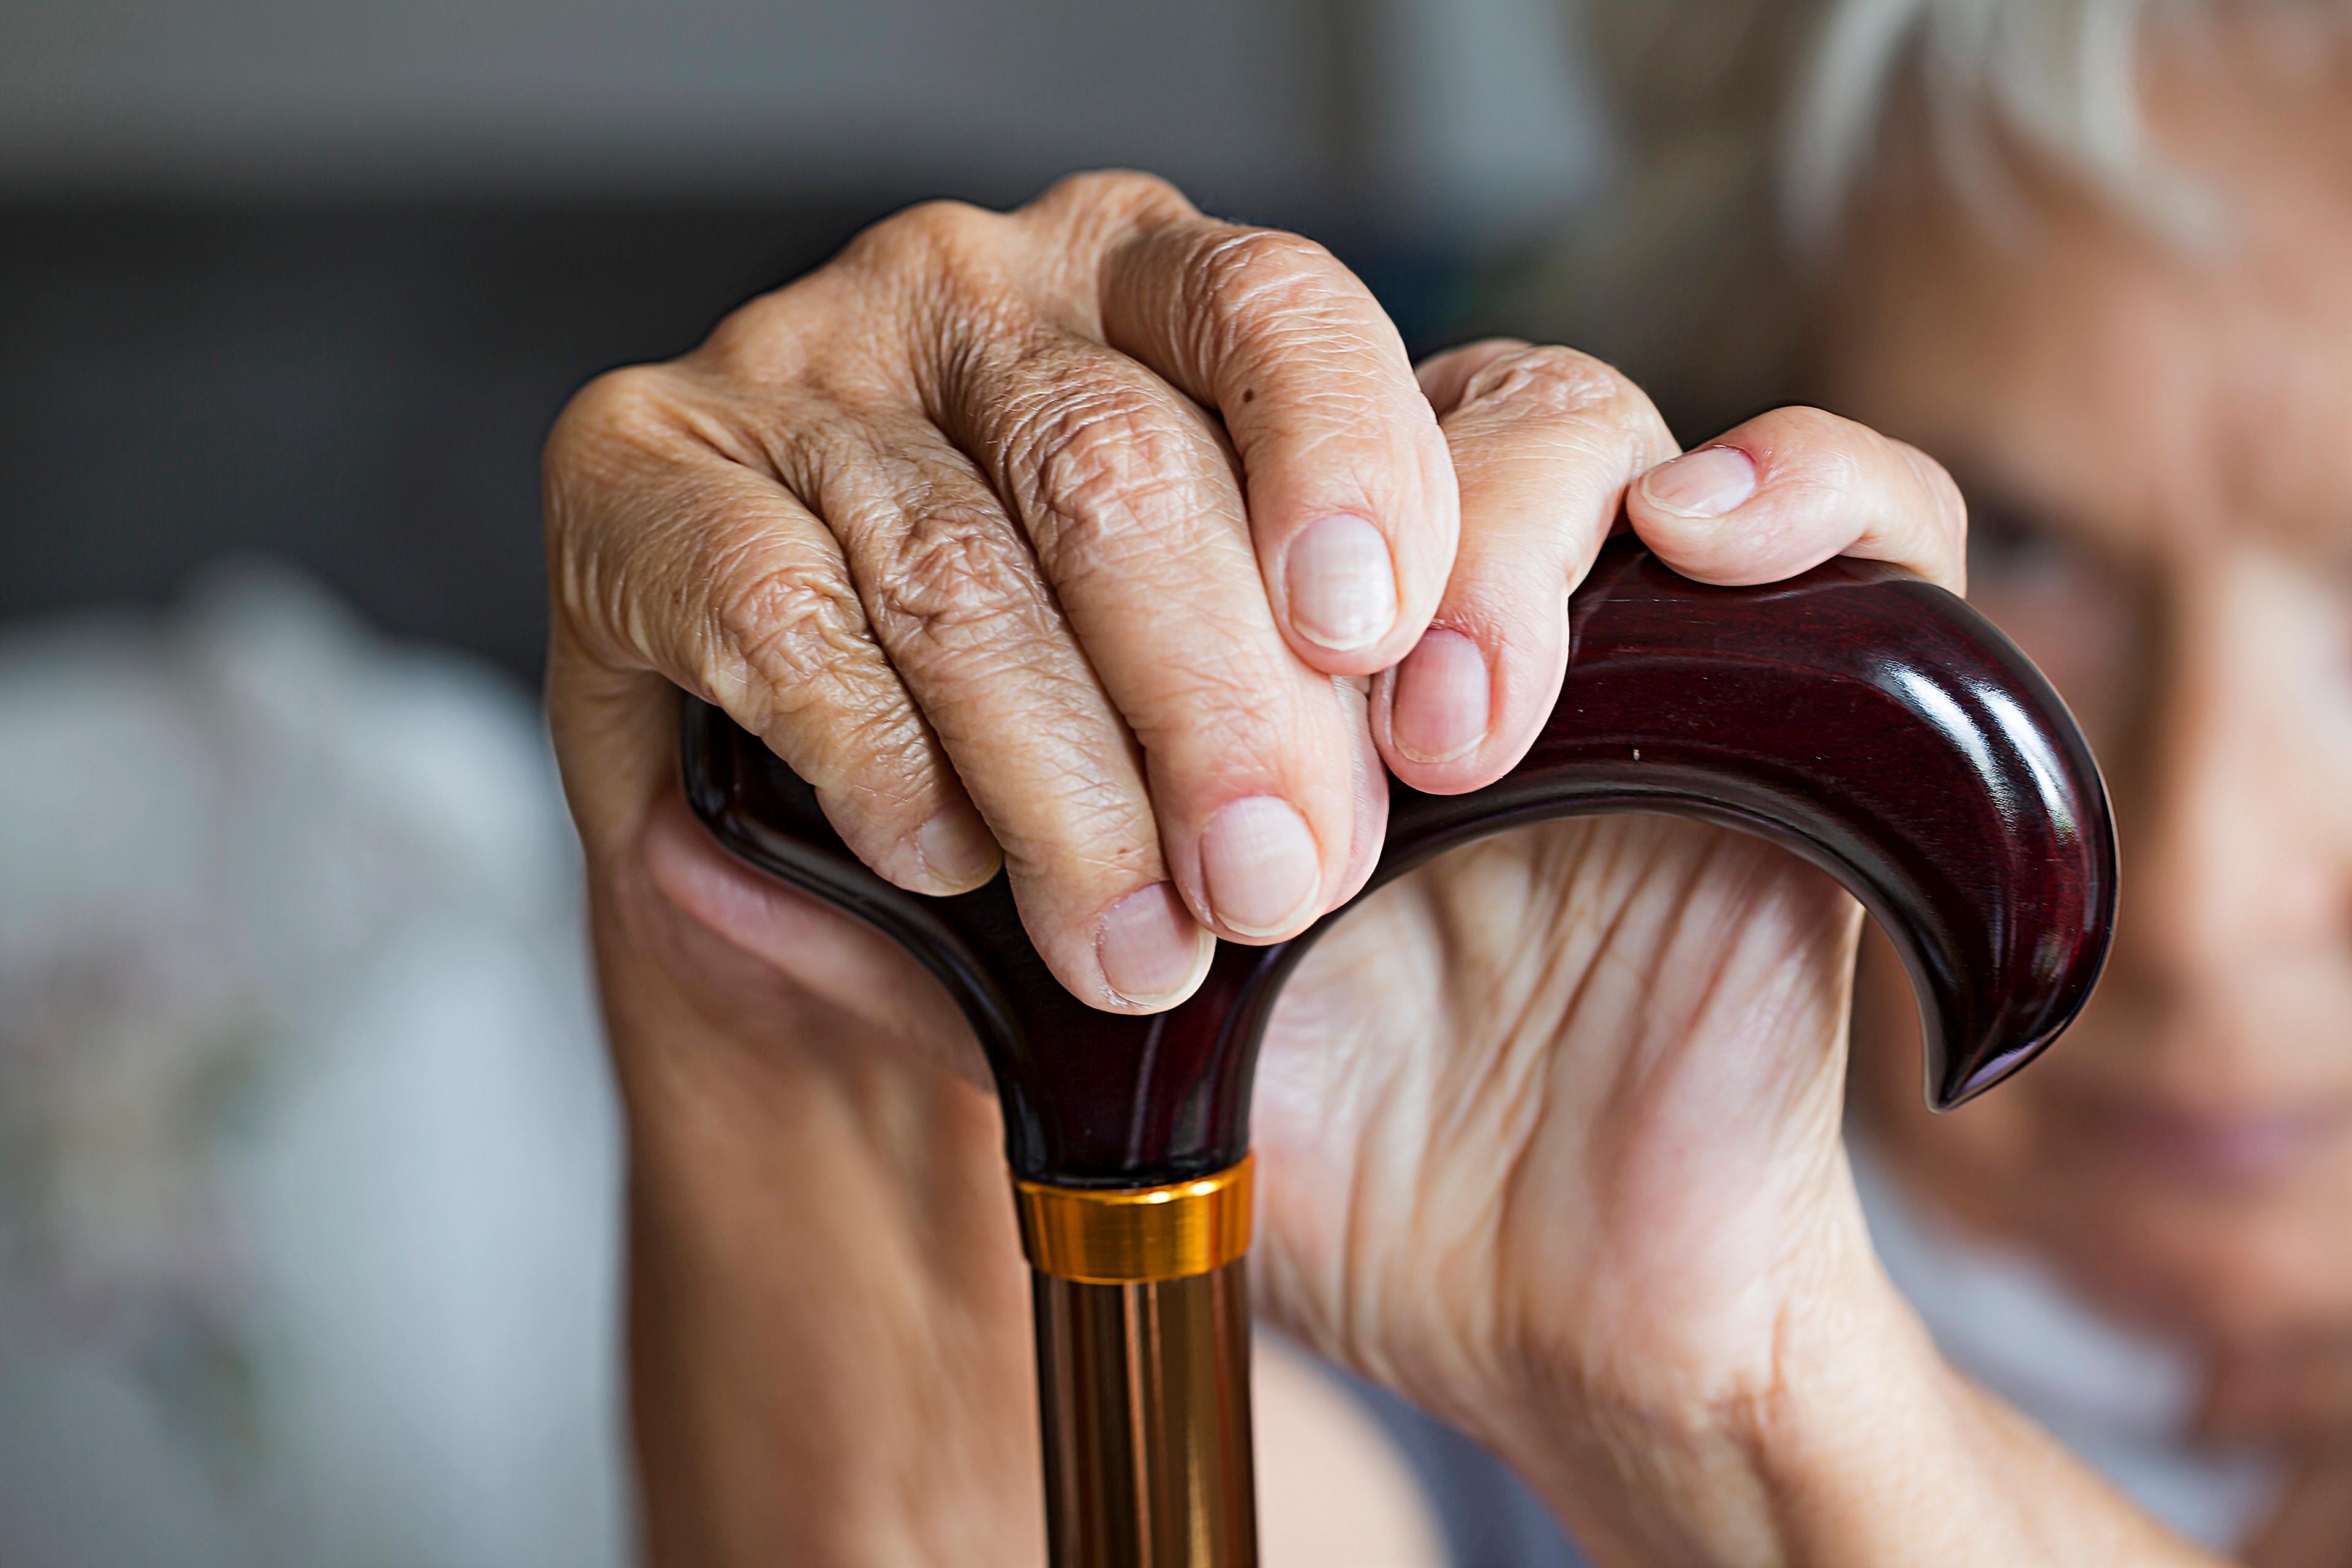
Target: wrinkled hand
1070	536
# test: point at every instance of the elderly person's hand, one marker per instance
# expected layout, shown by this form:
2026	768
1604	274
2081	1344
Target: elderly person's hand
1071	537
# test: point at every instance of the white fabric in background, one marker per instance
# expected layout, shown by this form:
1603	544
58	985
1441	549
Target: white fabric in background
308	1166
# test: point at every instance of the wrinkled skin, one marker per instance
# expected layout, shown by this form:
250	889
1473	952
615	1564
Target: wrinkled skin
1550	1130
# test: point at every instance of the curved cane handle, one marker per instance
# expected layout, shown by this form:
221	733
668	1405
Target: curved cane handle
1865	720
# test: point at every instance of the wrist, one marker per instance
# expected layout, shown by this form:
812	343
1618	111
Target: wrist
1763	1451
1860	1446
829	1321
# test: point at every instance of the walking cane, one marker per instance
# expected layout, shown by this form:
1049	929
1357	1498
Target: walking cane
1869	722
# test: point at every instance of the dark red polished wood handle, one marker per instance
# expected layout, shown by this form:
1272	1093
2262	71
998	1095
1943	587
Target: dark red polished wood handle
1868	720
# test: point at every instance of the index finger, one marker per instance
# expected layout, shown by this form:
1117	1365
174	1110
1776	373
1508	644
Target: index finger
1349	483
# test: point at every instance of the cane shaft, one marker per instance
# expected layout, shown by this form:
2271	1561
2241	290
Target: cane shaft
1143	1390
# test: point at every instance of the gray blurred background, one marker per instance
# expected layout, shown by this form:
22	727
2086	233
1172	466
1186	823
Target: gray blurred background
310	276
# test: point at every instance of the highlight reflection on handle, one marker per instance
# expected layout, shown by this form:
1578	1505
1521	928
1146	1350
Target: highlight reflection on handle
1868	720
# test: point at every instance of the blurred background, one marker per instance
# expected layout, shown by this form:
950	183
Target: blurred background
308	1168
312	278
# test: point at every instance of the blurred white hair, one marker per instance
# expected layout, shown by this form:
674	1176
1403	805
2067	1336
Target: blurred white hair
1748	126
2058	74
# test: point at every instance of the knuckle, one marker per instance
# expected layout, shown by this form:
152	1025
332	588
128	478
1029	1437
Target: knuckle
790	627
955	582
1804	440
1126	194
929	237
632	407
1548	380
620	423
1833	470
760	340
1465	358
1100	463
1823	455
941	281
1816	426
1946	504
630	468
898	781
1546	384
840	325
1256	271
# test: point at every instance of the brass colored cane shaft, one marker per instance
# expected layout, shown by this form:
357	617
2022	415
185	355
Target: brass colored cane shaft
1142	1316
1144	1394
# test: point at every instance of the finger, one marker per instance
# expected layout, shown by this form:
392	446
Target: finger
664	555
960	604
1350	488
1545	441
1370	781
1130	502
1788	490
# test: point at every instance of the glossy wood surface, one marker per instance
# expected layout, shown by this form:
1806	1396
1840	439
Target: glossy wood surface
1869	722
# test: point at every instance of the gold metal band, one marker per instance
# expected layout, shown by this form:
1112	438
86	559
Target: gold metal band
1129	1235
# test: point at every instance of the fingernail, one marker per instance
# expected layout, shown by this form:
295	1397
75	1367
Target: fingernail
1438	710
956	849
1343	592
1150	947
1262	866
1705	483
